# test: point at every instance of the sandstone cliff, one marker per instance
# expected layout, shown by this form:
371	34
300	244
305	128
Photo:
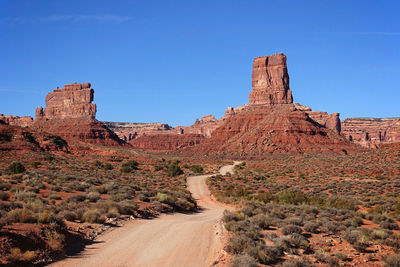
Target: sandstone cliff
72	101
70	114
270	81
24	121
371	132
165	141
260	130
128	131
270	123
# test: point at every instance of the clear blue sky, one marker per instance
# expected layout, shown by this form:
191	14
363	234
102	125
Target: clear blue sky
174	61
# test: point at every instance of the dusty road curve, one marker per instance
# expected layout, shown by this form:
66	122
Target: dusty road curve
171	240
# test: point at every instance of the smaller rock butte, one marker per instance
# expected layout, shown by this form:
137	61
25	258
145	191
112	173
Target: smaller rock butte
70	114
72	101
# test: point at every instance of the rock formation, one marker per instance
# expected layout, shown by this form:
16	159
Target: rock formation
128	131
330	121
24	121
72	101
260	130
270	81
165	141
271	123
205	126
371	132
70	114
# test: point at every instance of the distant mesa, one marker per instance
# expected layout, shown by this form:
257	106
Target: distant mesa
371	132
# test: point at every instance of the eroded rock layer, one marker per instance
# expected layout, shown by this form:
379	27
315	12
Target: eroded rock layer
72	101
128	131
270	81
70	114
24	121
371	132
164	141
260	130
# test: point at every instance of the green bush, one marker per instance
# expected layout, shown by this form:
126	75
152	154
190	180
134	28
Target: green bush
16	167
108	166
243	261
30	138
93	216
392	260
174	170
197	169
4	196
129	166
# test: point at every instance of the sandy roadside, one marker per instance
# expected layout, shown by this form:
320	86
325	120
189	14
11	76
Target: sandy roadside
170	240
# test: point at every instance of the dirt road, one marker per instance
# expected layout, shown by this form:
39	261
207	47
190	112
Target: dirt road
170	240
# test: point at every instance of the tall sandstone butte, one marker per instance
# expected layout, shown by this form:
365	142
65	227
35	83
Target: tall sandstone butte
271	122
71	114
270	81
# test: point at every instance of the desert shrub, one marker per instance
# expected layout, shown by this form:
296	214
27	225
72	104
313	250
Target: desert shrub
4	196
46	216
20	215
238	244
311	227
57	141
93	196
265	197
297	262
291	229
24	196
54	196
16	167
390	225
30	138
229	216
299	241
292	197
5	186
174	169
5	136
16	255
128	207
54	240
243	261
76	198
112	213
196	169
107	166
35	164
129	166
93	216
392	260
261	221
98	164
160	167
68	215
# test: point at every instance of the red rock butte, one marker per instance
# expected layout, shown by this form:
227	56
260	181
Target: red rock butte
72	101
71	114
270	81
